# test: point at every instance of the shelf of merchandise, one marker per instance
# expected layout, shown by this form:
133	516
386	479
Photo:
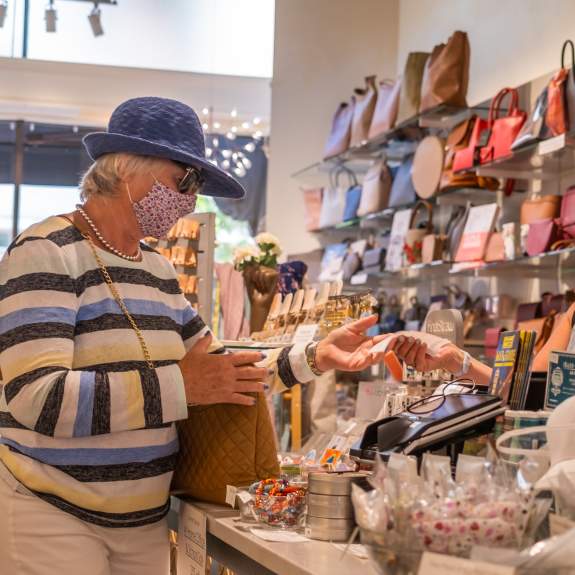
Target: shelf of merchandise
550	159
544	265
395	144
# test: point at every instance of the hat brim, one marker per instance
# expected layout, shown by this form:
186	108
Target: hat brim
217	182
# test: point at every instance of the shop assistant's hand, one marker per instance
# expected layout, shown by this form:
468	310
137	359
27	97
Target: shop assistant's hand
348	348
414	353
215	378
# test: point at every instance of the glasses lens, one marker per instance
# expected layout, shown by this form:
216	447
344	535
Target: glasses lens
191	181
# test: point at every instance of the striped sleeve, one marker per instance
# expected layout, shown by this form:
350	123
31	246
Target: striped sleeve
289	364
38	308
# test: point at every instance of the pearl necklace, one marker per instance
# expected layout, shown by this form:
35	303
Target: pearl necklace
105	242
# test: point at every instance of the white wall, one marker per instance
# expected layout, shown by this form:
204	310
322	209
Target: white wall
323	48
87	94
512	41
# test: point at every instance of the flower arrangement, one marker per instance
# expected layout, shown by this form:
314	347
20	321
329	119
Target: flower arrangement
265	254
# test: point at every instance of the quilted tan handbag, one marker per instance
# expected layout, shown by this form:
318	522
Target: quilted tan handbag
223	445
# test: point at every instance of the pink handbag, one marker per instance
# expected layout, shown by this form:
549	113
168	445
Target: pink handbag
541	236
567	217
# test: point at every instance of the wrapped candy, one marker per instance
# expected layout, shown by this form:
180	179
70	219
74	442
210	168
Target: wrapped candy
279	503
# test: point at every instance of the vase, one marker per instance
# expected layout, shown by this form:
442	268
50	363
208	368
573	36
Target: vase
261	284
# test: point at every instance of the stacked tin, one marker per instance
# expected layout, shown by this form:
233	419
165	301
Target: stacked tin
329	507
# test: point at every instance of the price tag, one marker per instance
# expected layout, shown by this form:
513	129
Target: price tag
244	496
305	333
551	145
559	525
191	540
436	564
231	493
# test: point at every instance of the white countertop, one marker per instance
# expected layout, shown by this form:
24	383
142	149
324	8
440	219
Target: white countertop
309	558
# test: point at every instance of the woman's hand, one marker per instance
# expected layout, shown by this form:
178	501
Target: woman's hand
414	353
348	348
210	378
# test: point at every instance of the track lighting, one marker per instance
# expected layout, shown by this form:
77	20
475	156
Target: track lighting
3	11
96	21
50	16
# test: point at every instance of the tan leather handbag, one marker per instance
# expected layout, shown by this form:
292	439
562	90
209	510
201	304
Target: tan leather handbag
495	251
446	75
428	166
432	248
540	208
386	107
312	198
340	135
376	189
365	100
414	237
223	445
410	95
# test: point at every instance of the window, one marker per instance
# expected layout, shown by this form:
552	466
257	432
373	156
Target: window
233	37
6	216
39	202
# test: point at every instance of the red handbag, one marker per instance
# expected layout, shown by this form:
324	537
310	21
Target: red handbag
464	159
502	130
556	116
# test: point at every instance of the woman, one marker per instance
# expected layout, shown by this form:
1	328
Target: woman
88	442
461	364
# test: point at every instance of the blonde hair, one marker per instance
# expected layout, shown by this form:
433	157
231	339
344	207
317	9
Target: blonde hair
105	175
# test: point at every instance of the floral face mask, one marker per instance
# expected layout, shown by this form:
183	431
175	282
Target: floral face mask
159	210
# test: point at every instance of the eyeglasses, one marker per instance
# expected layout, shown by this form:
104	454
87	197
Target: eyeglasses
191	181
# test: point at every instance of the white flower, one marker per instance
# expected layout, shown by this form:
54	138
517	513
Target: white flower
245	254
276	250
265	238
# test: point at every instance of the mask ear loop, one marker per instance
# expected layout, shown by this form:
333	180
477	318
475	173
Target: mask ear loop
129	194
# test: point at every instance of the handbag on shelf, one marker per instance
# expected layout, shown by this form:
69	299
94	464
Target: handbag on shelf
376	189
351	265
410	93
466	156
402	190
432	248
414	237
373	260
427	168
454	231
446	74
535	128
540	208
502	130
333	203
365	99
527	311
560	114
386	108
495	251
340	135
417	313
541	236
312	199
352	198
567	214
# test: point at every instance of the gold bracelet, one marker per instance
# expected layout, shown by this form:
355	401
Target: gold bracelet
311	358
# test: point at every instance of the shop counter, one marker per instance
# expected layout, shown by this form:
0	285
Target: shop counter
229	543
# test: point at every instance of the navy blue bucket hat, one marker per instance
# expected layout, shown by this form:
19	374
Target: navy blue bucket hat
162	128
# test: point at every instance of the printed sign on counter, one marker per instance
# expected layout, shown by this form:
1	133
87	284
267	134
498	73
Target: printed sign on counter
191	540
560	379
436	564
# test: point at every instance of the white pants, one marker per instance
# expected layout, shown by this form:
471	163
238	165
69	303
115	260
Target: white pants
37	538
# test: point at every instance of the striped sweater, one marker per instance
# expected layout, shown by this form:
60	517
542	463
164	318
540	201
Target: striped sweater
84	424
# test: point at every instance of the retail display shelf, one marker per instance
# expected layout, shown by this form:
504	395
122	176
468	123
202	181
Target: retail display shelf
529	267
551	159
394	144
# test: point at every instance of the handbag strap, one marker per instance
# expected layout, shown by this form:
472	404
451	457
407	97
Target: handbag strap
495	107
563	50
426	205
114	290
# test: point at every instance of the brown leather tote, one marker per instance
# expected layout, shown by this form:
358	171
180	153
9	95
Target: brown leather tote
446	75
340	135
540	208
365	100
386	108
312	198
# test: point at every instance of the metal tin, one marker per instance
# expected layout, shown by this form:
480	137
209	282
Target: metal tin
325	483
329	529
330	506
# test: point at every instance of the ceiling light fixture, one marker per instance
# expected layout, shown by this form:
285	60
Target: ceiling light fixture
50	15
3	11
95	20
